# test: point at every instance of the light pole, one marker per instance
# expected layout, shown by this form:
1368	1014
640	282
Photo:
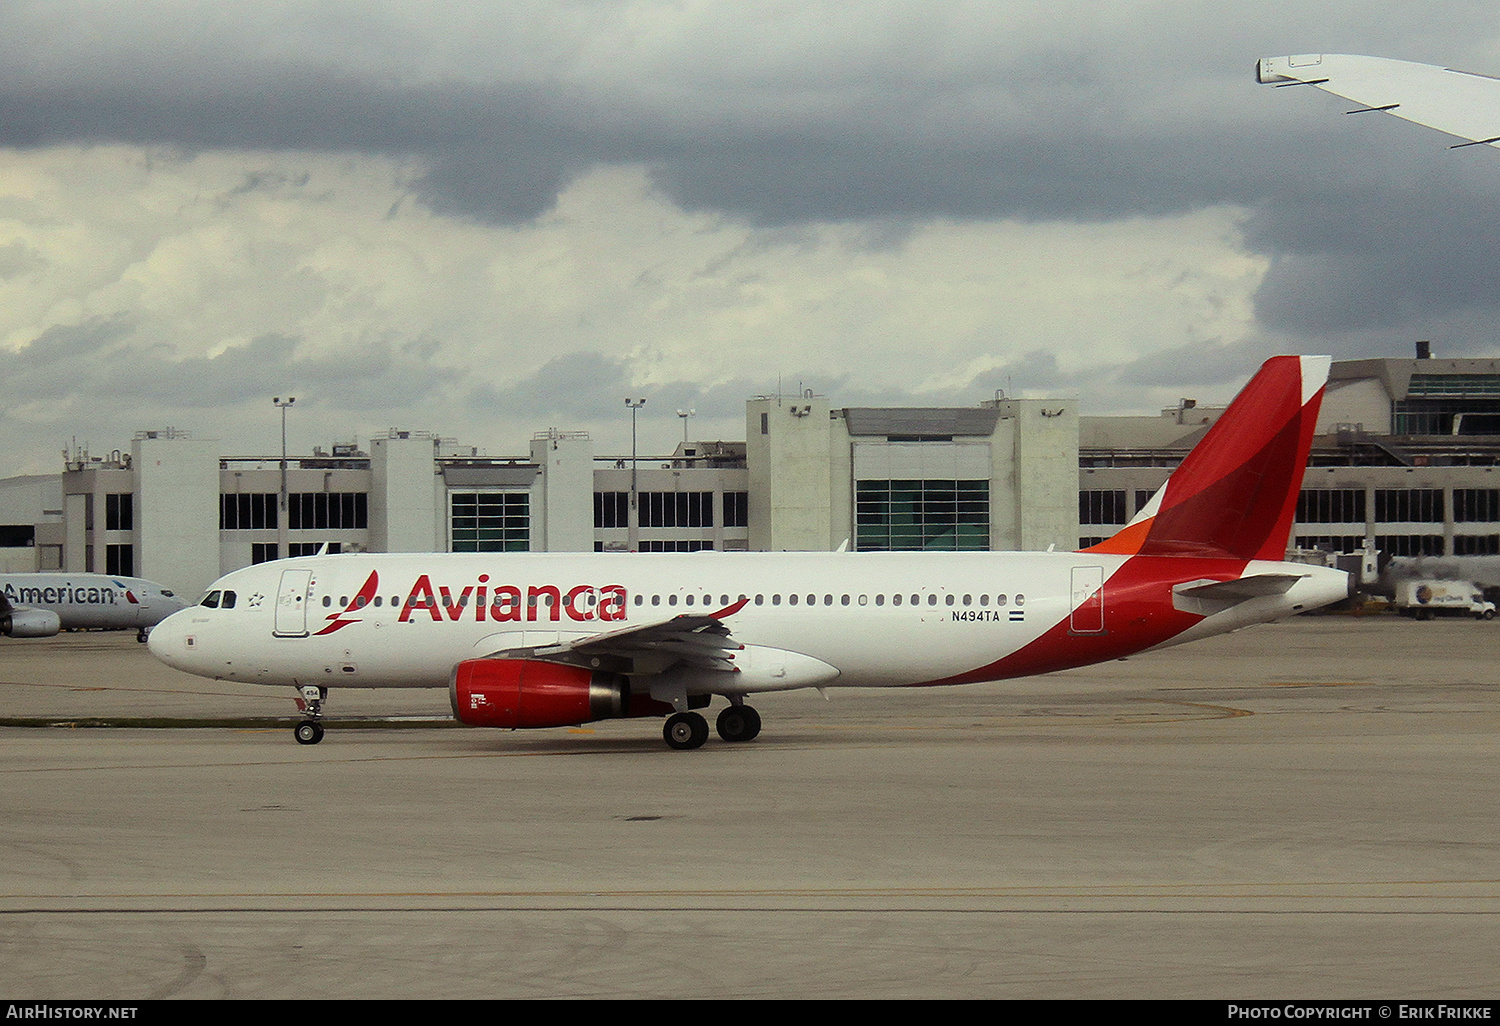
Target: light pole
685	414
282	405
635	517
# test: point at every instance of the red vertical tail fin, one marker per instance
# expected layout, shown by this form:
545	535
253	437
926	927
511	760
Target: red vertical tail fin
1236	493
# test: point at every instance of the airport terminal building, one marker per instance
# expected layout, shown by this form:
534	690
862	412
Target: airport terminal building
1404	462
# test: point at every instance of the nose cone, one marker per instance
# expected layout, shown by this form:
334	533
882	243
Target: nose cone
168	641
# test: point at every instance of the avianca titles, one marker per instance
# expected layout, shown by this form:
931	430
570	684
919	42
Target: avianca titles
556	639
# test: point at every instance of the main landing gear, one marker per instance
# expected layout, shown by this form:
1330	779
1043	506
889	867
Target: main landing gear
310	731
687	730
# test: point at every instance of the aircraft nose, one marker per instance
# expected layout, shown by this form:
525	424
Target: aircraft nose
168	639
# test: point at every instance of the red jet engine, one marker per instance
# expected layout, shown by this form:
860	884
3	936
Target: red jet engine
531	693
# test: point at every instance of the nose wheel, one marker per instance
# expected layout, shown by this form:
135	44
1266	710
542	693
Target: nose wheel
310	701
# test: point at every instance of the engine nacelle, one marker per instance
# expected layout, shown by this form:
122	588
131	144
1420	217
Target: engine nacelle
30	623
531	693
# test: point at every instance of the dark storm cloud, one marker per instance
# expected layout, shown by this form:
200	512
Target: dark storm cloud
588	387
1371	227
102	362
503	154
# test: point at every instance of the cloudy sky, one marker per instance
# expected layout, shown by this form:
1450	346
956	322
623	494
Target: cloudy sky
487	219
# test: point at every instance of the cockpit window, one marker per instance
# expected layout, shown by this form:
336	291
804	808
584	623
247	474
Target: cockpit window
211	600
228	601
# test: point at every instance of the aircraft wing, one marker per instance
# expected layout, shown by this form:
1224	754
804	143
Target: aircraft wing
695	640
1459	103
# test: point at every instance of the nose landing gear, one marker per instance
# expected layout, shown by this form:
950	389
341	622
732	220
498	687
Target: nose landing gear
310	731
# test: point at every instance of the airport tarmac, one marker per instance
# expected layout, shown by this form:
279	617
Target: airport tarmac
1302	810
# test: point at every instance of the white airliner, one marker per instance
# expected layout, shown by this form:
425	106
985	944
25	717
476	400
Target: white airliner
551	640
1460	103
40	605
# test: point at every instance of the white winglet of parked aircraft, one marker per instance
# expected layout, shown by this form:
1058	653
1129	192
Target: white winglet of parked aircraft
551	640
1460	103
40	605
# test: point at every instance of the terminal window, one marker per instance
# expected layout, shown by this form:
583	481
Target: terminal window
1476	505
1409	505
922	516
1476	544
736	509
490	521
119	559
676	509
119	510
1102	507
328	511
1331	506
1410	544
611	509
247	511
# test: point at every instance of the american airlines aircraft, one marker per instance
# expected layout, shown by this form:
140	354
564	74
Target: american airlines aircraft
40	605
550	640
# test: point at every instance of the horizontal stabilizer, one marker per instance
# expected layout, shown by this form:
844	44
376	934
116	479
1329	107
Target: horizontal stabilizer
1207	597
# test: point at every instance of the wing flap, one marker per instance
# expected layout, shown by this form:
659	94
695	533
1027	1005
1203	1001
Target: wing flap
692	640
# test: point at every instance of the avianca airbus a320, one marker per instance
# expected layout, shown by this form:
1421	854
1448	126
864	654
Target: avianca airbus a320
552	640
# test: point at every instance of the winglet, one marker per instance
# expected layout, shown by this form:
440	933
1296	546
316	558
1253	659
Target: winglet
1236	493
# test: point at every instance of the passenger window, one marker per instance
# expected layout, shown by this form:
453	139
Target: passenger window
844	600
895	600
999	600
949	599
880	600
792	598
968	600
864	600
932	599
1020	600
656	600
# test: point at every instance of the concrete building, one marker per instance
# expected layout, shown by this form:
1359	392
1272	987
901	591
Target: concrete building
178	510
999	476
1405	462
31	523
